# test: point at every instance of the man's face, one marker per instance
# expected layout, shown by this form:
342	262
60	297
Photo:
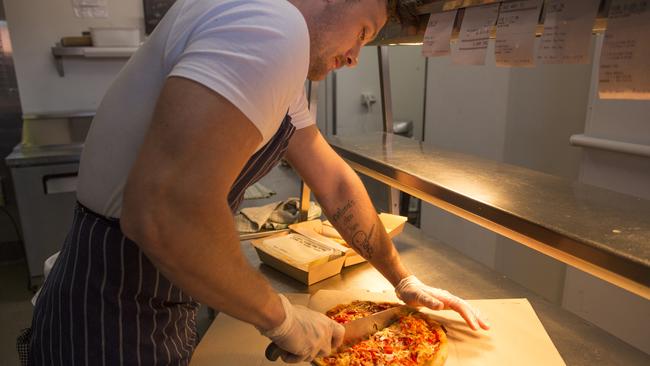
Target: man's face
339	32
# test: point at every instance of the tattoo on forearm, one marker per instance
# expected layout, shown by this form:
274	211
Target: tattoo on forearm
341	212
361	242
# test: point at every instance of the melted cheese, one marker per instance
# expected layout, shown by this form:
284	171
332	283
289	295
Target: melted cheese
407	342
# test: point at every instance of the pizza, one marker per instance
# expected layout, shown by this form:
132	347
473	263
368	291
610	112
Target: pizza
345	313
413	340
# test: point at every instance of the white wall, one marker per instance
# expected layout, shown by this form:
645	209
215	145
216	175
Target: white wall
624	121
466	111
35	26
351	116
406	69
526	117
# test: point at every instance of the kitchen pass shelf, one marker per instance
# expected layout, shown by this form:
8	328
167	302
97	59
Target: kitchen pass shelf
601	232
60	53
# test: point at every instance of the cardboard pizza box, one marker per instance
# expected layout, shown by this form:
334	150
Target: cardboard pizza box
324	232
290	263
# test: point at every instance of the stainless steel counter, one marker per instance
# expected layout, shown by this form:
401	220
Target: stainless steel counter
579	342
602	232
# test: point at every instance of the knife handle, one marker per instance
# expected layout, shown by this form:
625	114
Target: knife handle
273	352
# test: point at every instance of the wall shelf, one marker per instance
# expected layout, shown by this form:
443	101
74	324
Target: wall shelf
60	53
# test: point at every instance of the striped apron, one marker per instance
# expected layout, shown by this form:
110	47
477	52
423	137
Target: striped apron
105	303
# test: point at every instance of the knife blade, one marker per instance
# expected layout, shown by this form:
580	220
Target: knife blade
359	329
356	330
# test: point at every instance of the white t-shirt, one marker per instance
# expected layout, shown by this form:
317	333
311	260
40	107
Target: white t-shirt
255	53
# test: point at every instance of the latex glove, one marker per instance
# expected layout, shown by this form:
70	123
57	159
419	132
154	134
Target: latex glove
415	293
305	334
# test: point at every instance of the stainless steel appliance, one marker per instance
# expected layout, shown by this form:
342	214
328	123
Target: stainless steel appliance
44	172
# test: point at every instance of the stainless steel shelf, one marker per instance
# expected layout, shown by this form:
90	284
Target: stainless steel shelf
602	232
89	52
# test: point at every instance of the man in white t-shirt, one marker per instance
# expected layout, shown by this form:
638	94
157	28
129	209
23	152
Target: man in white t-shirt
207	106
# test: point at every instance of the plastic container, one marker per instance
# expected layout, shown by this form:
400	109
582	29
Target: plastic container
115	37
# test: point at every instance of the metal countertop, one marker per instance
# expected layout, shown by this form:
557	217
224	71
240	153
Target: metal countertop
579	342
601	228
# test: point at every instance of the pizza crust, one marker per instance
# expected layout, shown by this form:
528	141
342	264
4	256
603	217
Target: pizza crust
441	354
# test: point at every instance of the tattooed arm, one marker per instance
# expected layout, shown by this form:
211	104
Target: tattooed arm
345	201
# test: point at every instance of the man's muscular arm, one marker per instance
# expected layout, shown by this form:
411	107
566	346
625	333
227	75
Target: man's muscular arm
345	201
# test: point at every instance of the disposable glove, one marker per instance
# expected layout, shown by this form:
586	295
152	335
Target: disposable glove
415	293
305	334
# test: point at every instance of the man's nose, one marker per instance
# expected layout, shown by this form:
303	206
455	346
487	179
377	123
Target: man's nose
352	61
352	57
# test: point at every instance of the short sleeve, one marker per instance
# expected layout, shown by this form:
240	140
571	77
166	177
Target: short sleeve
299	112
253	53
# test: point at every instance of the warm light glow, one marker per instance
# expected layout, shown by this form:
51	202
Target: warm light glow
406	44
5	42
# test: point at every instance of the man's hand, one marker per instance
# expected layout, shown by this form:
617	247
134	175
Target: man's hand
305	334
415	293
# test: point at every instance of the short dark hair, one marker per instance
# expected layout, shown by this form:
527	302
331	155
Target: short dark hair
402	11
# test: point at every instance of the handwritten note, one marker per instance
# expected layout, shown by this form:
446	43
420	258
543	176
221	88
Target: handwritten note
438	34
625	58
90	8
515	42
567	31
475	34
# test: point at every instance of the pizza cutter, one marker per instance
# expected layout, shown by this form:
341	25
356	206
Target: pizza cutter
357	330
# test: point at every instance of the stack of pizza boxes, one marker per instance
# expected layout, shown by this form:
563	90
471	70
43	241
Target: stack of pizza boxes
313	250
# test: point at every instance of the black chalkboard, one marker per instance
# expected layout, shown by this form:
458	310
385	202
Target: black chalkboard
154	10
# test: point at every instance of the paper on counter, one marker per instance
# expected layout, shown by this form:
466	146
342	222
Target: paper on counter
567	31
514	45
475	34
624	60
231	342
438	34
517	337
299	250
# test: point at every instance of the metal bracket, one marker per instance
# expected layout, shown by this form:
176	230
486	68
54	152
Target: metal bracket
305	191
387	115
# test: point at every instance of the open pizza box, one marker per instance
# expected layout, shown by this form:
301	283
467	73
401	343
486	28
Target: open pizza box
324	232
517	336
314	250
299	257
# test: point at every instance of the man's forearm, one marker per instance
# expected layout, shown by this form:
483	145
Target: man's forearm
202	256
352	213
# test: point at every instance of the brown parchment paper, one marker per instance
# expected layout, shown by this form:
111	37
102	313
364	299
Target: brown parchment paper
231	342
517	337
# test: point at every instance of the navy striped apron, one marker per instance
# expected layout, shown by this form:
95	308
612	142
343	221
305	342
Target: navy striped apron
105	303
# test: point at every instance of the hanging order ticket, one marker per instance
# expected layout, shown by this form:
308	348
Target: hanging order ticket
624	60
438	34
475	34
567	31
515	42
